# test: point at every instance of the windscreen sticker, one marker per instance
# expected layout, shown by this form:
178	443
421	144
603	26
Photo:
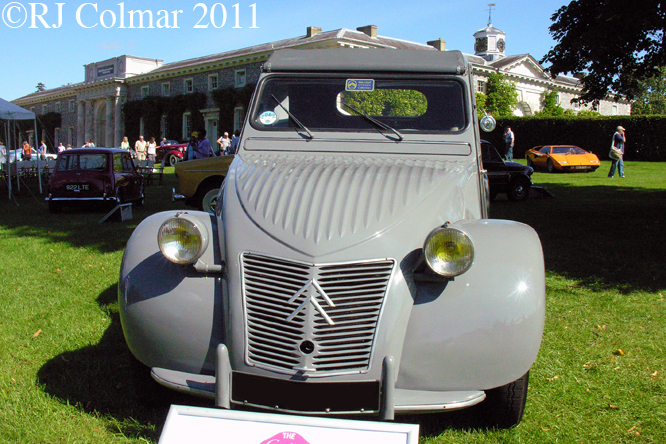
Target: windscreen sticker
360	85
267	118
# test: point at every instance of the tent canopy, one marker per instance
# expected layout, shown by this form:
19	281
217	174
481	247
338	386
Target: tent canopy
9	111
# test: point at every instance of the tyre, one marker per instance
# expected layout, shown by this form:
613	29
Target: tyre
550	166
208	200
172	160
519	190
504	406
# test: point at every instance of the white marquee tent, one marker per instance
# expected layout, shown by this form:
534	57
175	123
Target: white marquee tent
9	113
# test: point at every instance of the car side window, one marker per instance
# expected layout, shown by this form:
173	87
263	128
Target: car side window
545	150
117	163
127	164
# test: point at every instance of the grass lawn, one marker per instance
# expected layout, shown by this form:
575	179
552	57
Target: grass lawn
66	374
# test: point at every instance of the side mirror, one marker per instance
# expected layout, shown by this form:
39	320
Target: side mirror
488	123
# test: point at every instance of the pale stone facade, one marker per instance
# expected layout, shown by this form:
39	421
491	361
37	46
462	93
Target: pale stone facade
92	109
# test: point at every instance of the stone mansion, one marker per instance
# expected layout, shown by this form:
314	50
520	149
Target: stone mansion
93	109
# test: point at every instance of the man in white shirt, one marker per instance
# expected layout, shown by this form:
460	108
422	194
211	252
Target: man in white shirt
140	149
224	143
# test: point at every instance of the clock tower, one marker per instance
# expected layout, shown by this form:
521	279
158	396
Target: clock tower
490	42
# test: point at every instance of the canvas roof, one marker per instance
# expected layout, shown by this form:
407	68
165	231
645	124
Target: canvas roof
9	111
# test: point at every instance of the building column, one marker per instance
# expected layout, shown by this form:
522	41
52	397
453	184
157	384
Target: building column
118	104
88	132
110	111
80	124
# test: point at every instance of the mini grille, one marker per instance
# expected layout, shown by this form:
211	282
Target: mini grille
281	299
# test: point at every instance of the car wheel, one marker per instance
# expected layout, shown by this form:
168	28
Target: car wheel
550	166
209	200
519	190
504	406
172	160
54	207
530	163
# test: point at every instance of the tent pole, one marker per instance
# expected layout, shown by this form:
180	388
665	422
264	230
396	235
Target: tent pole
39	174
9	164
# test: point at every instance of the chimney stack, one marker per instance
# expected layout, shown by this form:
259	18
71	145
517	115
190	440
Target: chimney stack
439	44
312	31
370	30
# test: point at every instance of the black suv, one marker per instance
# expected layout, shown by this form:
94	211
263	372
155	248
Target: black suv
505	177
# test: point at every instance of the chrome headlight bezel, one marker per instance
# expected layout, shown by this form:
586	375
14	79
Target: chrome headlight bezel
448	251
183	239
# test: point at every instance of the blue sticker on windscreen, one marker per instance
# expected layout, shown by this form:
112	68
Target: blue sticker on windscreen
360	85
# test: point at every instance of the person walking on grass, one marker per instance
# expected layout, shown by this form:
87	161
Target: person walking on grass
619	139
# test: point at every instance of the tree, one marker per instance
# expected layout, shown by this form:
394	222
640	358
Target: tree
651	98
40	87
501	96
549	105
614	44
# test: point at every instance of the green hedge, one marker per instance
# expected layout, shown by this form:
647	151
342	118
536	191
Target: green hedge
646	135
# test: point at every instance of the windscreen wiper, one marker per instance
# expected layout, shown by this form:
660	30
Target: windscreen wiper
375	121
291	116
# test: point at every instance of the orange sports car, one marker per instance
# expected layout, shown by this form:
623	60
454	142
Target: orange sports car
566	158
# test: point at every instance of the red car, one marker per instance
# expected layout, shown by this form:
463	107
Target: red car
94	175
172	152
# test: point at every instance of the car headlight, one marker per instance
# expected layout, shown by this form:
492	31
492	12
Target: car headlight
448	251
182	239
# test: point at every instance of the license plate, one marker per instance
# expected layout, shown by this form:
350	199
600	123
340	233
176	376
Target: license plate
581	168
78	187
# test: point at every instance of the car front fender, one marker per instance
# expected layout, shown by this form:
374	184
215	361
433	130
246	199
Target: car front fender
482	329
172	315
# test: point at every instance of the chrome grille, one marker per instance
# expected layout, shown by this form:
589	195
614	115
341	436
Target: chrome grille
281	313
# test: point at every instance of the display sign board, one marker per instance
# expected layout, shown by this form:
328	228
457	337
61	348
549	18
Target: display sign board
207	426
104	70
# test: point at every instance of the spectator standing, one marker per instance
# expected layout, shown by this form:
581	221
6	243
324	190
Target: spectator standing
151	150
3	153
619	139
27	151
204	149
42	151
140	149
509	140
191	146
69	147
61	148
224	143
233	146
125	144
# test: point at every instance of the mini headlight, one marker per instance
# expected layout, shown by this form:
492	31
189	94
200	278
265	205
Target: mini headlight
182	239
448	252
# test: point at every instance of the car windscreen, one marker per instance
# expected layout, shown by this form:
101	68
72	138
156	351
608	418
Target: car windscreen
568	150
350	104
70	162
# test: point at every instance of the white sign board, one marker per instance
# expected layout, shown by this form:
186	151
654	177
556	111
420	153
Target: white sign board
207	426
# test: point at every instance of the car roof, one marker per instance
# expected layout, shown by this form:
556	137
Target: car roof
367	60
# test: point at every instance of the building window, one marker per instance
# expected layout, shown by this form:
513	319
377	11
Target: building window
481	86
166	89
239	117
45	109
557	99
141	127
240	78
70	135
614	110
188	86
56	136
72	107
145	90
212	82
32	109
187	125
57	107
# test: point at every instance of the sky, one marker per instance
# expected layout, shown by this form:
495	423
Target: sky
49	42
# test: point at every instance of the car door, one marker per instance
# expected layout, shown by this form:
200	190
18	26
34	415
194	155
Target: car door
542	159
493	163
